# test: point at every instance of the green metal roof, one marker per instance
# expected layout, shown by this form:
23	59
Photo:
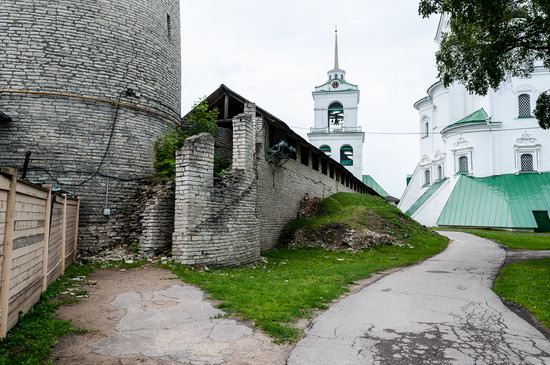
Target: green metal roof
424	197
479	116
371	183
503	201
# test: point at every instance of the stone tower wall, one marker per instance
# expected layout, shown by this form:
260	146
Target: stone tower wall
65	66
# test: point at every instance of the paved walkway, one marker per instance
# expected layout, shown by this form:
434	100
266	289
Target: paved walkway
147	316
439	312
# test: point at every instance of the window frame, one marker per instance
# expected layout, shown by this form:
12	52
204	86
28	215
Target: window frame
342	153
521	161
529	109
427	177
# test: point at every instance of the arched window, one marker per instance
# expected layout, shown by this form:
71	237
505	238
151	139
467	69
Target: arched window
426	129
524	106
326	149
335	115
427	177
346	155
526	162
463	164
439	172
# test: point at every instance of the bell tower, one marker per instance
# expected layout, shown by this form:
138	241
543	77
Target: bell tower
335	130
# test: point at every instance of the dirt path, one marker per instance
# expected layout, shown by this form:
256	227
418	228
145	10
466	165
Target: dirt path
147	316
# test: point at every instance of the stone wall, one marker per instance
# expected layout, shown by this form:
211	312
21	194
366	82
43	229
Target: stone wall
216	224
65	68
157	219
229	222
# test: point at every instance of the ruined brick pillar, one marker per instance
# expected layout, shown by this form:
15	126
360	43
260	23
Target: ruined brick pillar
194	181
244	139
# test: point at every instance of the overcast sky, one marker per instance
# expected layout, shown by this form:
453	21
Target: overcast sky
274	53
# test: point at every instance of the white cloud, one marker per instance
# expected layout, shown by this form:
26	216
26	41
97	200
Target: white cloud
274	53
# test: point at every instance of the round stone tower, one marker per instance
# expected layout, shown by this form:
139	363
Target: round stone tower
87	87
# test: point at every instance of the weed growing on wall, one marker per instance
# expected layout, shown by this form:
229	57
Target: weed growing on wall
199	120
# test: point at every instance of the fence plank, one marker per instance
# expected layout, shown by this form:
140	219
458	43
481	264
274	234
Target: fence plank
76	226
63	233
7	258
47	222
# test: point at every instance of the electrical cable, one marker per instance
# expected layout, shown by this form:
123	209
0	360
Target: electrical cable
431	133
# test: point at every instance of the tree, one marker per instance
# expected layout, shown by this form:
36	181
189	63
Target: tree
199	120
490	40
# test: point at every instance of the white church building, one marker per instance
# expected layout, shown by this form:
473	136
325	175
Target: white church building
484	160
335	130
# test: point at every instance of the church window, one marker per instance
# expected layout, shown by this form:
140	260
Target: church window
326	149
526	162
463	164
335	115
439	172
346	155
524	106
427	177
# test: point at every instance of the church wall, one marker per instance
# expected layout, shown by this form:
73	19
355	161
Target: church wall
336	141
429	213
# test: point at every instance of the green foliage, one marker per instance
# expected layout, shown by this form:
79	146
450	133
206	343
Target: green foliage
165	152
490	40
220	167
527	283
199	120
542	110
292	284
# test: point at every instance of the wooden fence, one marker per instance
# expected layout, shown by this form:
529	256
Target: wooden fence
38	237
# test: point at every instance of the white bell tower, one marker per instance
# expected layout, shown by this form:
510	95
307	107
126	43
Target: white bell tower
335	130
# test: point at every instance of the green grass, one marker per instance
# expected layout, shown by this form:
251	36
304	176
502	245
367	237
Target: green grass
32	339
37	332
292	284
527	283
515	240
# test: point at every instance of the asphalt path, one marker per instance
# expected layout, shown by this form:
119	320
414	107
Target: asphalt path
441	311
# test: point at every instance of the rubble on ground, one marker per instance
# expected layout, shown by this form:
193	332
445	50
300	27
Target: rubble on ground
339	236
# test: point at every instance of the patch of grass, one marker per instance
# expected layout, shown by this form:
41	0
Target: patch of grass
292	284
32	339
514	240
527	283
37	332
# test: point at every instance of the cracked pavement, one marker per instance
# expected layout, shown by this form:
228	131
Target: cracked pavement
147	316
441	311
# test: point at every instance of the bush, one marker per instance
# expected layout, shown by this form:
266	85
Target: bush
199	120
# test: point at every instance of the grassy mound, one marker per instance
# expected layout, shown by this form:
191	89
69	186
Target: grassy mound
353	221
